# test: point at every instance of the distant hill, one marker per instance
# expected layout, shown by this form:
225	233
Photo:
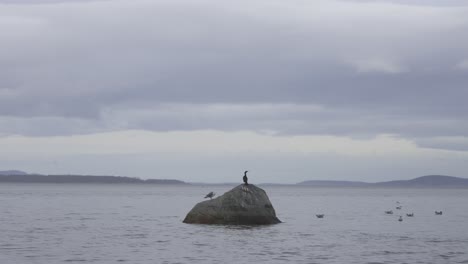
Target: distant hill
35	178
334	183
429	181
164	181
12	172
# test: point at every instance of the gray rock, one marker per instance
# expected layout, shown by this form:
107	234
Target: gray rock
243	205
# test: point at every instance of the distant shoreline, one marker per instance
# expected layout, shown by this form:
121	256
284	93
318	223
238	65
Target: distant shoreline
430	181
35	178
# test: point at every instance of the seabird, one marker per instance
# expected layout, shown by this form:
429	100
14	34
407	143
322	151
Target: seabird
210	195
319	215
389	212
245	178
400	219
410	215
438	212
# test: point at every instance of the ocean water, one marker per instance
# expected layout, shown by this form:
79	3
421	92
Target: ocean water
66	223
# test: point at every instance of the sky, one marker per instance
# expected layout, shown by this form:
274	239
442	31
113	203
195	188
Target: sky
200	91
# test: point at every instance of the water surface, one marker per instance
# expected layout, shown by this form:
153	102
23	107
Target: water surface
63	223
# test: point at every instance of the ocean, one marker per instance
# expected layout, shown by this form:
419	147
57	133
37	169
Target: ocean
130	223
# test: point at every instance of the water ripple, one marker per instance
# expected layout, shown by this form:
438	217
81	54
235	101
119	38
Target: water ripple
137	224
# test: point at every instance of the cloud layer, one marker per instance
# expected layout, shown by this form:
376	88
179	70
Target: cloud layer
377	59
354	69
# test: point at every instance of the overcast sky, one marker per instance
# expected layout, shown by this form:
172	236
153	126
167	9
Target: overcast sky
203	90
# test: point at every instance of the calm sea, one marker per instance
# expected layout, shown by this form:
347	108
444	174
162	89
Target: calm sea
44	223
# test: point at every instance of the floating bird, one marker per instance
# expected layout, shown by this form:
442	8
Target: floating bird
438	212
320	215
245	178
400	219
389	212
210	195
398	207
410	215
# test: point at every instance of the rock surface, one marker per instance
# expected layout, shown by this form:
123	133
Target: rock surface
243	205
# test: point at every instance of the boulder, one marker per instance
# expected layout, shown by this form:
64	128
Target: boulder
243	205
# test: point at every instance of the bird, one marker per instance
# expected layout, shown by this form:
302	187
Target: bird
319	215
400	219
210	195
389	212
410	215
438	212
398	207
245	178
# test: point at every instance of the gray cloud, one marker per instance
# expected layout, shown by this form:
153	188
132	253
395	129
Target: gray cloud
453	143
105	65
418	2
36	2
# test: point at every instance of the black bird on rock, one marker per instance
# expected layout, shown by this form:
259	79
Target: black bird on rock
245	178
210	195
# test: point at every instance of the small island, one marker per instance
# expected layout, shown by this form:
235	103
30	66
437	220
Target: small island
245	204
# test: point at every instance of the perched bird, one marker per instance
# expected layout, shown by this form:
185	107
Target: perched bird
245	178
319	215
210	195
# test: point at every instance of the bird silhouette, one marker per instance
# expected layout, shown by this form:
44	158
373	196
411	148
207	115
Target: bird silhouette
245	178
210	195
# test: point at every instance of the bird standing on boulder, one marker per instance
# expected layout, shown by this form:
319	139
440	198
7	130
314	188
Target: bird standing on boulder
245	178
210	195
